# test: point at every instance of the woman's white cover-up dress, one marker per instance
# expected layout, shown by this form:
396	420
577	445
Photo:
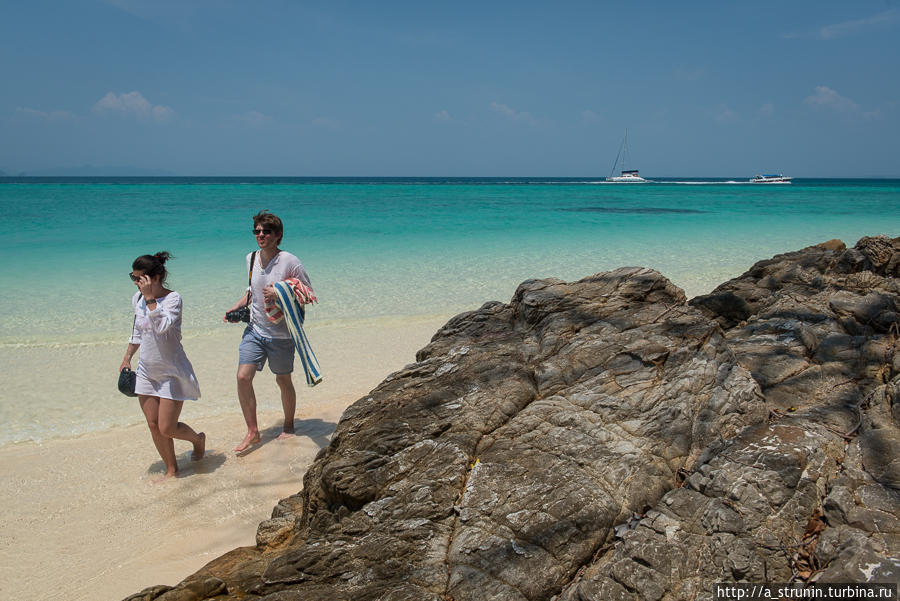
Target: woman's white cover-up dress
163	369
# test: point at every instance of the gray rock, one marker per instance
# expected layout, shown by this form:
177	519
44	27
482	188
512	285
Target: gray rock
274	531
194	590
149	594
738	518
605	439
279	529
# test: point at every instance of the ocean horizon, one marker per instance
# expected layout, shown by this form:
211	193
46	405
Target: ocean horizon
378	250
339	179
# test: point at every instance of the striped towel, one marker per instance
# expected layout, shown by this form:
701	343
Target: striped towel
304	295
293	315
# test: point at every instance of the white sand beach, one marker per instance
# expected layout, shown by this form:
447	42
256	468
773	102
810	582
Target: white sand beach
82	517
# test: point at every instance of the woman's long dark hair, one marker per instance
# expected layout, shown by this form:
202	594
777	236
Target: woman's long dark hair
153	265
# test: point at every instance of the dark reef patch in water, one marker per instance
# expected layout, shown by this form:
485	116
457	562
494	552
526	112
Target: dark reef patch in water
636	210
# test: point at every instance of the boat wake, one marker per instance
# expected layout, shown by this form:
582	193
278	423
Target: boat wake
729	182
718	183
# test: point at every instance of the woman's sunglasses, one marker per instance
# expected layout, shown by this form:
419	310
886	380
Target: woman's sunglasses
262	232
133	277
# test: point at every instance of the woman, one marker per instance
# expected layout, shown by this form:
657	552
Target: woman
165	377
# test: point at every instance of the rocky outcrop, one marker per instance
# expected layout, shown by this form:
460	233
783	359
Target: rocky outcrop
814	492
607	439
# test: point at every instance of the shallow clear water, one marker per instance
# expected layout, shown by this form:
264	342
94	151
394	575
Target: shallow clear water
374	248
392	246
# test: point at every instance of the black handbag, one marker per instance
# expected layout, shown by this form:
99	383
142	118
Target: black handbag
127	380
243	313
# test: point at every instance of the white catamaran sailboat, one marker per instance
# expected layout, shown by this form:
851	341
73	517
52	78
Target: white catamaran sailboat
628	176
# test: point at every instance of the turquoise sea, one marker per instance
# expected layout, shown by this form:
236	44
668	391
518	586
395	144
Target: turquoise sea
392	247
384	248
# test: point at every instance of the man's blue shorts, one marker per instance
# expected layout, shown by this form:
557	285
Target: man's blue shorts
255	349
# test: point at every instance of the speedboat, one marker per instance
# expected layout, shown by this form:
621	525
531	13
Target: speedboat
628	176
770	179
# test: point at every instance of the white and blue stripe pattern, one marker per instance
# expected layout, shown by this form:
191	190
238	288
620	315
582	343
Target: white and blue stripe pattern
293	316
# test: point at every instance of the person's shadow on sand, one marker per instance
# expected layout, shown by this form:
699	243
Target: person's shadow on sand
319	431
210	462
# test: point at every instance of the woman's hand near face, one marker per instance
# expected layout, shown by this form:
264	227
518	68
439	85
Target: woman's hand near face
145	285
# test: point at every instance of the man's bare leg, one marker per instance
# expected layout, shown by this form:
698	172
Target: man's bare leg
288	403
247	398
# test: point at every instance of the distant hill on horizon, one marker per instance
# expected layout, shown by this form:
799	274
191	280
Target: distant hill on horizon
96	171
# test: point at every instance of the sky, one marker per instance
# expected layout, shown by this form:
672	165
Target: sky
810	88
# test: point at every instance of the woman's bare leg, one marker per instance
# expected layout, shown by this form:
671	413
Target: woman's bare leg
170	427
150	405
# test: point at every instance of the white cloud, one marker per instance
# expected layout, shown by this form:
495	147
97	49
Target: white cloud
767	110
851	27
724	114
502	108
839	30
46	116
589	116
827	98
442	116
133	103
161	113
253	118
512	113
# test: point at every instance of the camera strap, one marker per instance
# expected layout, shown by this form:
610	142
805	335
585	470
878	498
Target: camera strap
250	277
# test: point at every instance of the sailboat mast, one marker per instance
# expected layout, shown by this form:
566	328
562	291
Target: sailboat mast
616	164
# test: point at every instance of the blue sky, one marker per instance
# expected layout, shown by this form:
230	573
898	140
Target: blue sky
808	88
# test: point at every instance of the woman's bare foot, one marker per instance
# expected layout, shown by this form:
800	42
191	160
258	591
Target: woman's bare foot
251	439
199	448
285	435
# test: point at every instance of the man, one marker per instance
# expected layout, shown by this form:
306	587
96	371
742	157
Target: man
263	340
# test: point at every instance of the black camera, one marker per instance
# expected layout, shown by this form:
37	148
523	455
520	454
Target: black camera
238	315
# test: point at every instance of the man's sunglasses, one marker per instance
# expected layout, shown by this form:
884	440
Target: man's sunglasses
262	232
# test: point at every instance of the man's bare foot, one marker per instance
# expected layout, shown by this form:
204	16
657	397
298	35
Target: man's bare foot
285	435
251	439
199	448
165	477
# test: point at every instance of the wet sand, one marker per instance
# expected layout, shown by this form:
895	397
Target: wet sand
83	518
